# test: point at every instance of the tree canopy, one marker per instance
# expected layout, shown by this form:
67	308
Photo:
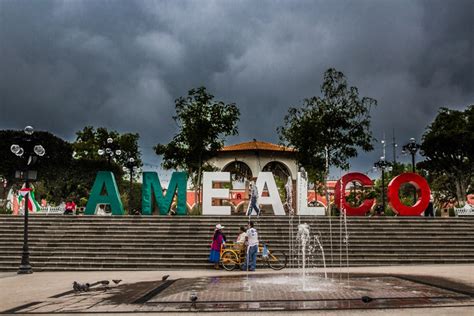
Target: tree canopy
203	125
328	129
337	121
448	149
90	140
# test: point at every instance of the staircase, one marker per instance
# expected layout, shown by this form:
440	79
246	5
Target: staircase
164	242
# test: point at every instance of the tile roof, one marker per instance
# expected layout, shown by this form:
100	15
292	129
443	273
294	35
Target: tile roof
257	145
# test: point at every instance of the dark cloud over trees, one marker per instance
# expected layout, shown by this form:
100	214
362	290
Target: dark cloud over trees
121	64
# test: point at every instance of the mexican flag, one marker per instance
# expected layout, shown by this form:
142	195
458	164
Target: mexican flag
33	206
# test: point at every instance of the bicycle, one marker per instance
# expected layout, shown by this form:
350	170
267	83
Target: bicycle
233	255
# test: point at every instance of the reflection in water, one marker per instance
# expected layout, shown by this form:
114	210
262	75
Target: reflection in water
292	282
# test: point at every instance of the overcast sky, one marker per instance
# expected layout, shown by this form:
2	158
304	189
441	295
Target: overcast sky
121	64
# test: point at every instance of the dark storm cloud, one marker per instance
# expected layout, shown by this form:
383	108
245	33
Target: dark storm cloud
120	64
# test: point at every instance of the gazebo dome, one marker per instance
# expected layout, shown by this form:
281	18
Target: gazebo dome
255	156
256	145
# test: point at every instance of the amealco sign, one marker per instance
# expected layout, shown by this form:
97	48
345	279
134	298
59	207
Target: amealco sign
151	188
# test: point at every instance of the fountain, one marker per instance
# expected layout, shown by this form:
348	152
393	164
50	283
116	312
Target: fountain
303	237
318	241
302	249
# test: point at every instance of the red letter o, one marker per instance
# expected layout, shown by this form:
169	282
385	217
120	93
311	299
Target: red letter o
419	183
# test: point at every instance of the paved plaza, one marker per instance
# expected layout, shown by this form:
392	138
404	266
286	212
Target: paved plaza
393	288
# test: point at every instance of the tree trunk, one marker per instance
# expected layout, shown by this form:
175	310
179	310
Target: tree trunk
462	186
326	187
460	195
199	181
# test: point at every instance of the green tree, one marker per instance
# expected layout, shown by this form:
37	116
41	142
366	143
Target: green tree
90	140
86	147
448	149
55	162
328	129
203	126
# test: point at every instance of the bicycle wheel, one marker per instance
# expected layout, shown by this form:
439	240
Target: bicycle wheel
276	260
229	260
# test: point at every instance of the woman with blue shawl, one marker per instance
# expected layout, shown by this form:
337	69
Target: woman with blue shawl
217	240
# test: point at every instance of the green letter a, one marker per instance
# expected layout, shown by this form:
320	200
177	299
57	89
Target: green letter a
151	182
107	179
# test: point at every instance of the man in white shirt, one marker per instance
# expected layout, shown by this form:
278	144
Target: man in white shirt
252	248
253	200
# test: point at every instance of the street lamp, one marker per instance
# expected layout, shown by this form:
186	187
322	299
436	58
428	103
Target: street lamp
412	148
31	153
132	167
111	150
383	165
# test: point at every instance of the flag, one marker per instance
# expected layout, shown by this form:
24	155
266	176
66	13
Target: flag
33	205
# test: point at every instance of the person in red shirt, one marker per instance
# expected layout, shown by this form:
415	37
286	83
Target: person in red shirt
70	208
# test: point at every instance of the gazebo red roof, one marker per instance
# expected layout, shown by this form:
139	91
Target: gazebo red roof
257	145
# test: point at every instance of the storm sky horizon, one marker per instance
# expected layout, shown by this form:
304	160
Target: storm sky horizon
121	64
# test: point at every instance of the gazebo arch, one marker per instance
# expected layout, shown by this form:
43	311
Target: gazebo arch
278	168
239	172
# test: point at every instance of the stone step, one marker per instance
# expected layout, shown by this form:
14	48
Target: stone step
353	243
60	266
143	243
232	219
177	229
203	255
208	239
97	261
202	217
193	247
267	238
210	224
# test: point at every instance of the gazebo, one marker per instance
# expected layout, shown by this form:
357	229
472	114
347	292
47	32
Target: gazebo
246	160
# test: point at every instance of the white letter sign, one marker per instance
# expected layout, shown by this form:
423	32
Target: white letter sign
273	197
302	199
209	193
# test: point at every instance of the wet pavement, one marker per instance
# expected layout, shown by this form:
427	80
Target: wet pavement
261	292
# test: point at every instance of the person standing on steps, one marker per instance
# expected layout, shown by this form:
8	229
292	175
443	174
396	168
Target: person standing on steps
429	212
252	248
253	200
218	240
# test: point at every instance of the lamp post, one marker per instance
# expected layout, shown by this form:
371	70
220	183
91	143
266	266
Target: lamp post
383	165
412	148
110	151
132	167
30	152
